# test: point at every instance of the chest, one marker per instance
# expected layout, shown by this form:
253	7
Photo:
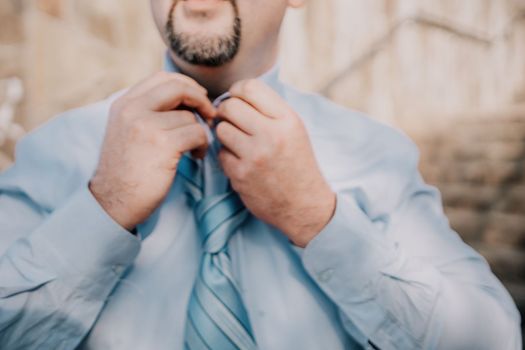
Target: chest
148	308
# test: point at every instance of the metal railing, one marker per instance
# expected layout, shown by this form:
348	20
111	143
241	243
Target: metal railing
425	20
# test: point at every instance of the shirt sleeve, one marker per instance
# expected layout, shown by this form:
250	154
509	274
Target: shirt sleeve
55	279
61	254
407	281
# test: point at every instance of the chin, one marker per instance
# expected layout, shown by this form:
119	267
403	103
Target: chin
203	17
207	36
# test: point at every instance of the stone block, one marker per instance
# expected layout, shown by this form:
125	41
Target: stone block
468	150
466	222
474	172
505	229
482	172
509	150
492	131
507	263
511	199
502	172
432	173
464	195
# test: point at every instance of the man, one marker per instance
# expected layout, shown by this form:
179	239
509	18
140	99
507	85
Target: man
213	207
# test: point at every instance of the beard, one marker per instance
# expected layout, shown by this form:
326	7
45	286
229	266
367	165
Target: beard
210	50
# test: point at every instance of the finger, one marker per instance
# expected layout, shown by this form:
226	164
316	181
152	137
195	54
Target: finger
241	114
232	138
172	94
177	119
188	138
261	97
173	119
229	162
159	78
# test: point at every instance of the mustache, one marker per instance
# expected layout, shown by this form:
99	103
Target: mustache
176	2
233	2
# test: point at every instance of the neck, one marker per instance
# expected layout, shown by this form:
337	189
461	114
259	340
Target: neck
218	80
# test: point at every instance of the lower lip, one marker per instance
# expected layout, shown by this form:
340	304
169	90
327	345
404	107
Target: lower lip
201	5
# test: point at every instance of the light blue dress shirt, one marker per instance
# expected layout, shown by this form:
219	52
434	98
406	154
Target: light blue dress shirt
386	272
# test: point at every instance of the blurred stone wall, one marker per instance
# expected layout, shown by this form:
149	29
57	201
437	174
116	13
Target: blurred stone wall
478	163
449	73
409	62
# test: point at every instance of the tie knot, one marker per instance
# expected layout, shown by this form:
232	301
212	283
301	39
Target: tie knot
217	215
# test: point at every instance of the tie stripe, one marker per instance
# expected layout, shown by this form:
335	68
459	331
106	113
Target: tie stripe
210	331
224	316
213	243
191	172
202	209
217	318
225	293
223	211
193	337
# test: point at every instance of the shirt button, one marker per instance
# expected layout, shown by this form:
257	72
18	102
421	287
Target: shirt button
325	275
118	269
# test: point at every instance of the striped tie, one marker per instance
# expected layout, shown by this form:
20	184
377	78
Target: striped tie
216	318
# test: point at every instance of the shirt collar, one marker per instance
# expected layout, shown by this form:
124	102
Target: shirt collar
270	77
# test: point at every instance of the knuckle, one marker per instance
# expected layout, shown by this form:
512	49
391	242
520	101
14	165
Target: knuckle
199	132
180	77
172	87
222	129
249	87
186	116
183	82
138	126
186	92
231	106
167	87
177	86
161	139
226	106
235	103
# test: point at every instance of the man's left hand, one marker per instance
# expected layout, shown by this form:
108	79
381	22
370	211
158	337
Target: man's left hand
270	162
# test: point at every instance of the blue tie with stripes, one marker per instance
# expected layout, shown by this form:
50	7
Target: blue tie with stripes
216	317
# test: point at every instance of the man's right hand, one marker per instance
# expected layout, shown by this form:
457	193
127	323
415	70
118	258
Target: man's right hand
146	135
